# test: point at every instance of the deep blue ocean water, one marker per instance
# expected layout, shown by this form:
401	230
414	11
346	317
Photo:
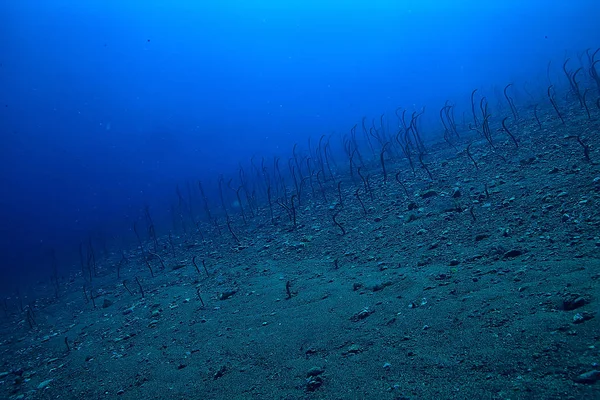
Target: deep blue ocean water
107	107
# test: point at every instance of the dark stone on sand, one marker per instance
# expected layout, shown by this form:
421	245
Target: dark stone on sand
513	253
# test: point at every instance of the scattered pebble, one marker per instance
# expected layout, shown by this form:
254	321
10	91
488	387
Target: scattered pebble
588	377
354	349
44	384
314	379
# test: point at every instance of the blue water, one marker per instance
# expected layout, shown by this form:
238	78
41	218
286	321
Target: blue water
107	106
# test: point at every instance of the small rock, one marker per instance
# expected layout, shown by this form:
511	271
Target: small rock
364	313
527	161
429	193
513	253
481	237
313	383
314	371
380	286
354	349
220	372
44	384
410	218
573	303
581	318
226	295
588	377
